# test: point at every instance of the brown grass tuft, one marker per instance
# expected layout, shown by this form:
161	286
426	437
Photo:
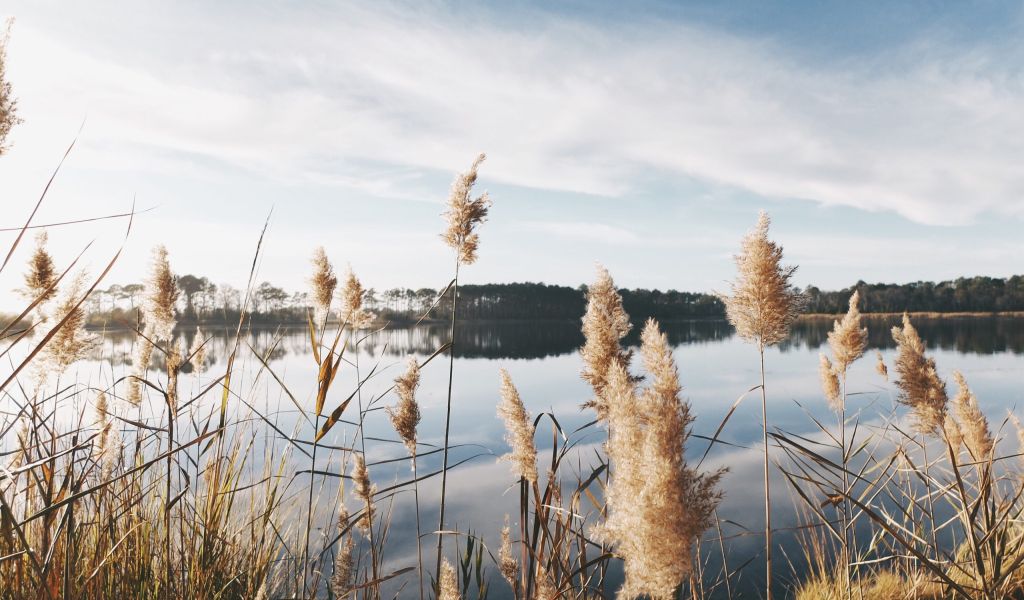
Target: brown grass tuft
519	430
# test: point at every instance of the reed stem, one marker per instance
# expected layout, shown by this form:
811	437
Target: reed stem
448	418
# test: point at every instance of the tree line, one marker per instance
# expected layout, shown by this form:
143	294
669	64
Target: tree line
203	301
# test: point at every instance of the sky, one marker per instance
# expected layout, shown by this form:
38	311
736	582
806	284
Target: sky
885	140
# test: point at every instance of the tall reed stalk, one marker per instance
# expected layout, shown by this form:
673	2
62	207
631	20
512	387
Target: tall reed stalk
762	306
463	215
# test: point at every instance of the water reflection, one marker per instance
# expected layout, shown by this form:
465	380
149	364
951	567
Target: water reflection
716	368
535	340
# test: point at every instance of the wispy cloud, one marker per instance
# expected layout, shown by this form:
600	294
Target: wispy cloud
934	134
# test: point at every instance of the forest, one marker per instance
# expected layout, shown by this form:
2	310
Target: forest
201	300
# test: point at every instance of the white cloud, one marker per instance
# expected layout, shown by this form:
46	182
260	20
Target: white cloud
933	134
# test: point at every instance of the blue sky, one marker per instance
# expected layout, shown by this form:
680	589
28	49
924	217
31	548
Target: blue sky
886	141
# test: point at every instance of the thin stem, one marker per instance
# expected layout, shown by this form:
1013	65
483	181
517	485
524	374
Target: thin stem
767	489
847	514
419	533
725	557
309	505
447	419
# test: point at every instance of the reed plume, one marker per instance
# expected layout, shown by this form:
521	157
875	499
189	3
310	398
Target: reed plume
352	303
880	366
341	579
364	491
106	446
464	214
920	387
604	325
160	297
658	505
544	588
763	303
41	278
519	431
830	383
977	435
447	585
143	356
173	364
323	283
508	566
405	417
72	341
8	105
848	339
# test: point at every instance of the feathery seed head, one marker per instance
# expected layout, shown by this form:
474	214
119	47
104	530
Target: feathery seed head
8	105
920	387
41	279
160	297
364	491
658	505
405	417
173	364
830	384
976	433
880	366
847	338
72	341
519	430
323	282
352	303
464	214
604	325
507	563
763	303
341	579
107	447
144	353
448	586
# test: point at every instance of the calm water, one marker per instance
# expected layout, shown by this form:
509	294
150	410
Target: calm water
716	368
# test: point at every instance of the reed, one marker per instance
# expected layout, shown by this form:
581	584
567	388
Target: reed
762	305
463	215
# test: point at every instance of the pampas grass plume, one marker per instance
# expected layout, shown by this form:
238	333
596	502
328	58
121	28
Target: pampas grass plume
519	430
976	433
464	214
323	283
763	303
920	387
161	295
848	339
604	325
448	587
830	383
405	417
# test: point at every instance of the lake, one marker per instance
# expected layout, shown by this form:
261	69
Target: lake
716	368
